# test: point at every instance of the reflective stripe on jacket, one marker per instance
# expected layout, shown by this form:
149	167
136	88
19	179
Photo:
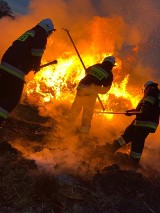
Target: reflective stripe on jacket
25	35
37	52
99	75
12	70
145	124
150	109
150	99
99	72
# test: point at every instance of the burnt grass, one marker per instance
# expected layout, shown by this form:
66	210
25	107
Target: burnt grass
24	188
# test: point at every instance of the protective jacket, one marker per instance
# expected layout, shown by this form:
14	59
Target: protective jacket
23	56
98	79
25	53
149	106
98	76
146	122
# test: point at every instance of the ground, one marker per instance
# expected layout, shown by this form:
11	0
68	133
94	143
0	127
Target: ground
26	188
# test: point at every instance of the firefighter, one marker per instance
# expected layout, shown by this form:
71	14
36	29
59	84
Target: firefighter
23	56
98	80
146	121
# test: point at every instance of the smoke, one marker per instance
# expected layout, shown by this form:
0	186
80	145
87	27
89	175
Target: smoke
118	26
142	19
128	29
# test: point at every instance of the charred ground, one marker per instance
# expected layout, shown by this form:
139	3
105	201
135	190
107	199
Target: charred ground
25	187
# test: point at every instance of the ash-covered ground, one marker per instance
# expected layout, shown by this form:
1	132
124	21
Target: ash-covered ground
36	177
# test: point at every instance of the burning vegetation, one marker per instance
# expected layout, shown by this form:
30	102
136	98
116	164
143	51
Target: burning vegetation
43	165
59	82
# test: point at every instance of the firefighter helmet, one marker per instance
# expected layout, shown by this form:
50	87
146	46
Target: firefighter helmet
149	83
48	25
110	59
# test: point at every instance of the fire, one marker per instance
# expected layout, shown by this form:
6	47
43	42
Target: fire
54	81
120	91
58	82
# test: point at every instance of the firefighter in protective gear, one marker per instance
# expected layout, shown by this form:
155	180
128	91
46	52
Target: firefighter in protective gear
98	80
23	56
145	122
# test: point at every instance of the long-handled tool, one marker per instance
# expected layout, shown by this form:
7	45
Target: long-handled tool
49	63
82	63
124	113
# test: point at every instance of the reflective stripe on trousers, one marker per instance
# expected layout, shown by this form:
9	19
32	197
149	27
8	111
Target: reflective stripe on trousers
135	155
121	141
3	113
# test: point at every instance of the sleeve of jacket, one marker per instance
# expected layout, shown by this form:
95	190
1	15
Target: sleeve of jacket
147	105
37	49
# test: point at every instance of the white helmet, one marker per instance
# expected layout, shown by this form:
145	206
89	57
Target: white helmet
110	59
149	83
47	24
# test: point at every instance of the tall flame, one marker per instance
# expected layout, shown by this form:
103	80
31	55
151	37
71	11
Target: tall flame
59	82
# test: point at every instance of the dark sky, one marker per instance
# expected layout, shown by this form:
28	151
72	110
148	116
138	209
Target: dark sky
18	6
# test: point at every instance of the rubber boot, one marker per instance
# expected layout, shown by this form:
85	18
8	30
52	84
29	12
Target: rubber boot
133	163
115	146
107	149
127	162
84	135
111	148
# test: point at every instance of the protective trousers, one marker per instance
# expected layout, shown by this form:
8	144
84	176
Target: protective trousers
136	135
84	100
10	93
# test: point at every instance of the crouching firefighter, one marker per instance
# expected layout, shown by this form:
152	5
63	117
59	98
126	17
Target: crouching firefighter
146	121
23	56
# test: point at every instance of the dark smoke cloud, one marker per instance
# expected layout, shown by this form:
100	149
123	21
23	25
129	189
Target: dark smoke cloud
143	19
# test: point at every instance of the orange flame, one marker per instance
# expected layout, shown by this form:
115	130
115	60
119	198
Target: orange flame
59	82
